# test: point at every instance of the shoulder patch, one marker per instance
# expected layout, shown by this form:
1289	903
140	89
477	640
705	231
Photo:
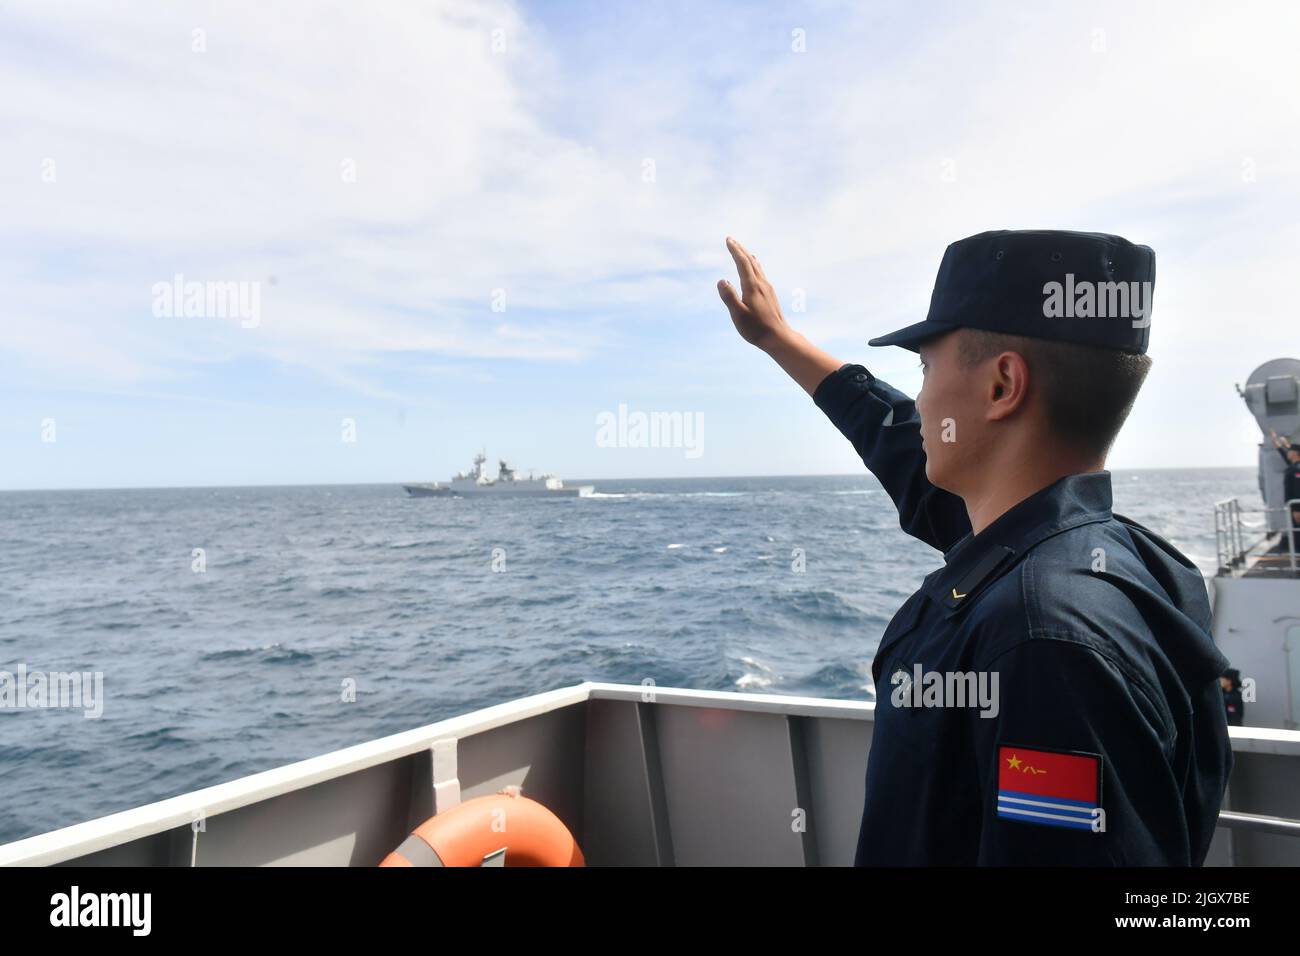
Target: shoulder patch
986	565
1059	788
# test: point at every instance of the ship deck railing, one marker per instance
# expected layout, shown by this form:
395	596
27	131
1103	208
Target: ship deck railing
1242	552
642	775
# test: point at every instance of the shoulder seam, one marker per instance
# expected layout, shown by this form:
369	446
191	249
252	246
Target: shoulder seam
1034	616
1087	642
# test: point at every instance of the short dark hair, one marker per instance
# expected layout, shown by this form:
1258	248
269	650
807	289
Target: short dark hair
1087	391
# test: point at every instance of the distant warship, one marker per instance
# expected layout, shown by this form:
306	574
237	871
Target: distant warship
476	482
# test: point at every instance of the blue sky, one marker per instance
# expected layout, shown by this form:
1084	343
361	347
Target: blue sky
386	175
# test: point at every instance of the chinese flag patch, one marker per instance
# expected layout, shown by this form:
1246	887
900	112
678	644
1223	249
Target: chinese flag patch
1049	787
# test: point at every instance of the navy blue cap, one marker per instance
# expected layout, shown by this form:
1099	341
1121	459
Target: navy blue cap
1085	287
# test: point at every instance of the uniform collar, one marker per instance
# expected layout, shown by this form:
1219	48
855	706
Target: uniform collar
1065	503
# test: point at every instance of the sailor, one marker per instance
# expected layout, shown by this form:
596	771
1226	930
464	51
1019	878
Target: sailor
1290	479
1105	740
1233	704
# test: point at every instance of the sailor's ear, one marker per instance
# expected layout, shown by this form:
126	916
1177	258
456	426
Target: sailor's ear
1009	384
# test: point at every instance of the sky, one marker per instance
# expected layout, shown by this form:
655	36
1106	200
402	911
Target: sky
464	225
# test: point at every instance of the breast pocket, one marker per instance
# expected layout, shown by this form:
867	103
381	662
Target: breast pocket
903	624
908	652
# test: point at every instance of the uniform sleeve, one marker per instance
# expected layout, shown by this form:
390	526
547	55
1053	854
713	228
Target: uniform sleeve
882	425
1073	733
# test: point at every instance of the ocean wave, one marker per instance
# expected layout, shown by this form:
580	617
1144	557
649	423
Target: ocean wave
345	590
756	676
269	653
825	607
54	755
546	600
159	739
118	625
843	680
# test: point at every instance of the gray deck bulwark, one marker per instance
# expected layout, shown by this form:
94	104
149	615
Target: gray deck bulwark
668	779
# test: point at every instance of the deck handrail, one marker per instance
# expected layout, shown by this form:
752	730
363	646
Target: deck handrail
1259	822
178	813
1232	551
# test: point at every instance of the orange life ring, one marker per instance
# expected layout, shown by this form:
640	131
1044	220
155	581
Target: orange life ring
468	834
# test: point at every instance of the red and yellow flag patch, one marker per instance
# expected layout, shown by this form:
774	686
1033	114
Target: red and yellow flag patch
1049	787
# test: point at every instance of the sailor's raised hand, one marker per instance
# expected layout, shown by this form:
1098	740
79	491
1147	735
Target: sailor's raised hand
756	313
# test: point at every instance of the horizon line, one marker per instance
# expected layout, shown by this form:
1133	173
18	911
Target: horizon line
576	481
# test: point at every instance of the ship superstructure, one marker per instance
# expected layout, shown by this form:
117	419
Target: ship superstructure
476	481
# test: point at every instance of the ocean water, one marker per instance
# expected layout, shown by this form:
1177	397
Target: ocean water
431	608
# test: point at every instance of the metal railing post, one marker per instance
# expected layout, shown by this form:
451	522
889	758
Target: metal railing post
1290	529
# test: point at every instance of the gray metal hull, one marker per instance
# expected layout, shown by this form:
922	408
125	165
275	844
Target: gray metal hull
444	491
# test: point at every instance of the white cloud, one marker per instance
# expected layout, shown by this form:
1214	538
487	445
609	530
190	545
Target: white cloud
522	171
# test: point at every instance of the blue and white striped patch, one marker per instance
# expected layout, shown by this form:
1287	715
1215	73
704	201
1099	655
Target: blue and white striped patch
1052	811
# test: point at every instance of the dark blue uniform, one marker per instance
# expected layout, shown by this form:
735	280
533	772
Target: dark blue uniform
1290	491
1108	744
